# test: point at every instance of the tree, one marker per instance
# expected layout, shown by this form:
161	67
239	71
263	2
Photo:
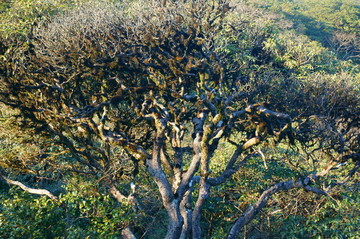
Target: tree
143	85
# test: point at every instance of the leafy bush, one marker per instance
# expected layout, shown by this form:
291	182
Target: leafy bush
77	214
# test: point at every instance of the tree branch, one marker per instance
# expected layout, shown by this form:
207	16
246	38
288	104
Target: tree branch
194	165
127	234
252	211
230	170
29	190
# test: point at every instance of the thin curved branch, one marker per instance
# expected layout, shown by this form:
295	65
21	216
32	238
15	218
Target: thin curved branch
29	190
351	172
253	210
231	168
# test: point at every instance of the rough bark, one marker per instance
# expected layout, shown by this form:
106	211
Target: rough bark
170	201
196	216
186	213
127	234
117	194
204	187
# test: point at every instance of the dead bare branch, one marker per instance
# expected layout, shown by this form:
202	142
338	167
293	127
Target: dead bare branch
28	189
